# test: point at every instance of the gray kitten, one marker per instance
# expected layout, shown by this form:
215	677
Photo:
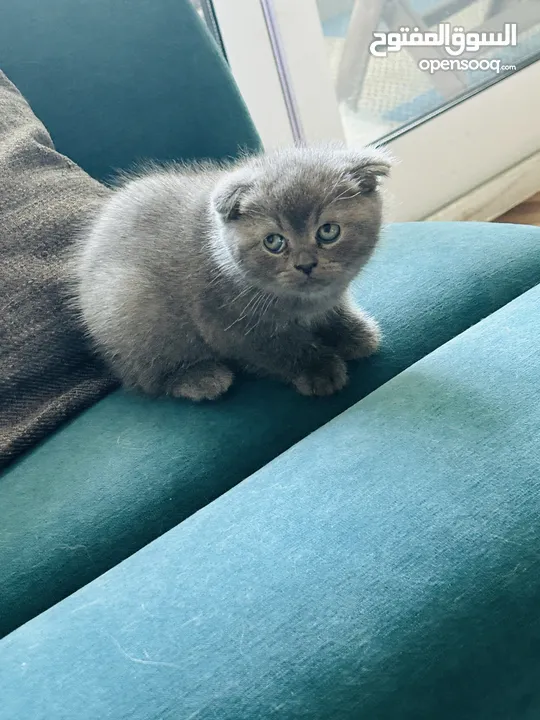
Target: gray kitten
189	272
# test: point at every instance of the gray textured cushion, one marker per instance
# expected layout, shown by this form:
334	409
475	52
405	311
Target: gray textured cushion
46	372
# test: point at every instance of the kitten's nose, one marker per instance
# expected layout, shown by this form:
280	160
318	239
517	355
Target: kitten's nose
306	267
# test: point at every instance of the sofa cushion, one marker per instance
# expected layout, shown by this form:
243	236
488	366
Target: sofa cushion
46	373
131	468
388	566
117	82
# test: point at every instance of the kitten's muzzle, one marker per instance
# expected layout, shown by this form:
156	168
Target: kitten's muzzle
306	267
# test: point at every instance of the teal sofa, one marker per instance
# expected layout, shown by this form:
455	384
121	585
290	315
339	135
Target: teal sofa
374	555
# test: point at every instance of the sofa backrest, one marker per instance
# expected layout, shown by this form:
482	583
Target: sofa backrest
119	81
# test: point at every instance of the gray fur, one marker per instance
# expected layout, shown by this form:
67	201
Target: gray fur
177	290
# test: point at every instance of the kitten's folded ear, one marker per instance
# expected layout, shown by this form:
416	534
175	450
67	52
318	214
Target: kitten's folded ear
230	194
367	167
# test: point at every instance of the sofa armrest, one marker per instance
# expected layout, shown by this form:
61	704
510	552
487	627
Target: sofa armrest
388	566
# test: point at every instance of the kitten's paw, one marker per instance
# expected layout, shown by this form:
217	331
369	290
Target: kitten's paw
204	381
360	340
323	378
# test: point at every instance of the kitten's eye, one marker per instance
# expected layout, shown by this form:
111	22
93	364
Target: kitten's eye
328	233
275	243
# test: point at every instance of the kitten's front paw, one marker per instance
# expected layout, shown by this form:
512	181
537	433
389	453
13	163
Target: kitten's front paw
322	378
360	340
204	381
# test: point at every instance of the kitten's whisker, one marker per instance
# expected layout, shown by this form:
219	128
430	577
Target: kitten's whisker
220	274
241	294
252	302
272	299
214	281
332	189
260	299
349	197
256	307
266	308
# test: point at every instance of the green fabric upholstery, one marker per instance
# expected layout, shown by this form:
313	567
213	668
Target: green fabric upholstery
386	567
117	82
131	468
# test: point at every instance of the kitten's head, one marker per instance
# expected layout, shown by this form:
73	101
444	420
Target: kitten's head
301	221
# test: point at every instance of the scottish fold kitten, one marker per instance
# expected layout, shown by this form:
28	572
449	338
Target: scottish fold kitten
187	273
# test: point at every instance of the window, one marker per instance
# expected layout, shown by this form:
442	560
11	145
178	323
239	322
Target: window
451	86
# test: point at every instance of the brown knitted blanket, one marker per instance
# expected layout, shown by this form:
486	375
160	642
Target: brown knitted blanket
47	373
